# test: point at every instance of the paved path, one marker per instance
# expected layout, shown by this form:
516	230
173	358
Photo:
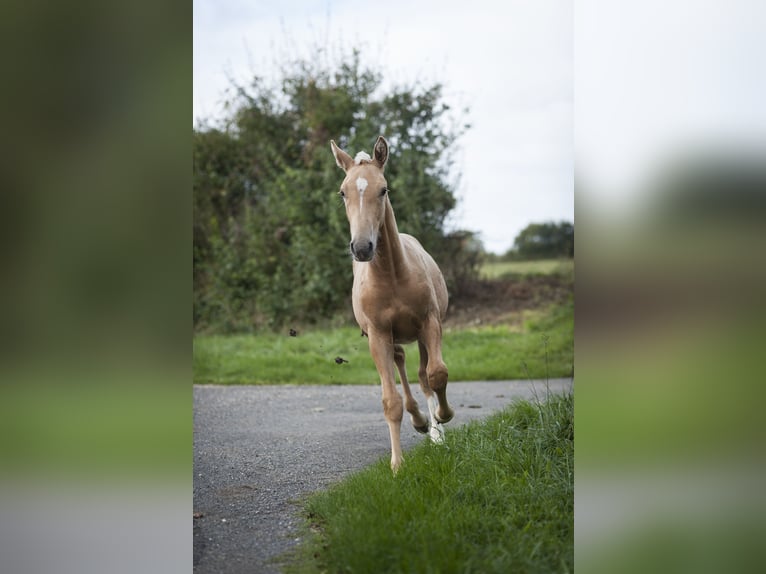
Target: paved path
259	449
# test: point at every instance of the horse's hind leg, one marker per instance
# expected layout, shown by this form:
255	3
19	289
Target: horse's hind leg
436	370
418	420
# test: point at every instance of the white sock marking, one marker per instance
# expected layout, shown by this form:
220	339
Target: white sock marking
437	434
437	430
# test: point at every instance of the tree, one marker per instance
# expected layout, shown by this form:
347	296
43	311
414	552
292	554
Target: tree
544	241
270	235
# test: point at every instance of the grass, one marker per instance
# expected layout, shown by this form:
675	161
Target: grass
515	269
673	393
271	358
99	423
497	496
541	347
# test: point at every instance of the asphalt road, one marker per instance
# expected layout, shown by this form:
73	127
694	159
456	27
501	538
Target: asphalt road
259	449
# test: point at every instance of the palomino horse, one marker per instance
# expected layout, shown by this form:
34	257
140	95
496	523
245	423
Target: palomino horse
399	296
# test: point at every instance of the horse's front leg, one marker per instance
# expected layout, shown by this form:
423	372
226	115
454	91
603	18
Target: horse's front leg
418	420
382	351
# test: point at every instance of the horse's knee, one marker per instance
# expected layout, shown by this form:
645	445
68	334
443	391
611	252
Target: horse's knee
393	408
437	377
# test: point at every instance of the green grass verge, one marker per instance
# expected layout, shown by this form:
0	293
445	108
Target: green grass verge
96	424
677	395
498	496
510	269
542	347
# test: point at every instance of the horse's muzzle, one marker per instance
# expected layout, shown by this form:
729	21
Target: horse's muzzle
362	250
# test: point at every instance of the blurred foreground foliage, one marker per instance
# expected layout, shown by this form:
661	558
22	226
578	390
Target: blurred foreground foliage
270	235
670	338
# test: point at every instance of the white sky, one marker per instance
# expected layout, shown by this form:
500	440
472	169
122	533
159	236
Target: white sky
509	62
655	80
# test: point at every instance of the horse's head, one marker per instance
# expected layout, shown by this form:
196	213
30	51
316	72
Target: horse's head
364	193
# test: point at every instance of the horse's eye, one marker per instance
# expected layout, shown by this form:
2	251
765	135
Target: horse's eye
342	193
383	192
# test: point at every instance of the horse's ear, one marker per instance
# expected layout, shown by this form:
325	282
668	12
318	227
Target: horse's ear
343	160
380	151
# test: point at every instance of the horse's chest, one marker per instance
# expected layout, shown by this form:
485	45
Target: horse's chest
387	310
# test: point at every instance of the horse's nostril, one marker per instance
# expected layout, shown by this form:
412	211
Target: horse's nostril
361	250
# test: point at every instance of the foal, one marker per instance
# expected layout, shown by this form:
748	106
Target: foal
399	296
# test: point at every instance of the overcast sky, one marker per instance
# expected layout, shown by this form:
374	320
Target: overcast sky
510	63
656	81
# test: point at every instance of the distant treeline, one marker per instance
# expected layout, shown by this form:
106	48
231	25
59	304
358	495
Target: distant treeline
544	241
548	240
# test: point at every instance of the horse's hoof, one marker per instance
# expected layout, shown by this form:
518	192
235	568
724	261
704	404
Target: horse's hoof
444	416
422	430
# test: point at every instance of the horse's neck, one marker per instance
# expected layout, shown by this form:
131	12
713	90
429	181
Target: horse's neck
389	259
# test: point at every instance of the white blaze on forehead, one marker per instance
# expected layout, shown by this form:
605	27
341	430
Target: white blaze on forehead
361	156
361	185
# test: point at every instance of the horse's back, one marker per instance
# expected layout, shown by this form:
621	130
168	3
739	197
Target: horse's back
426	264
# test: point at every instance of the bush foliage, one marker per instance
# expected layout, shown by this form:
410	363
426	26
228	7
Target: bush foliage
270	234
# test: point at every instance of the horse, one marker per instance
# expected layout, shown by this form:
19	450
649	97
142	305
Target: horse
399	296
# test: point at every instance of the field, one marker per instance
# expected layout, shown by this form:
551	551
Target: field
507	269
540	345
497	496
517	327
